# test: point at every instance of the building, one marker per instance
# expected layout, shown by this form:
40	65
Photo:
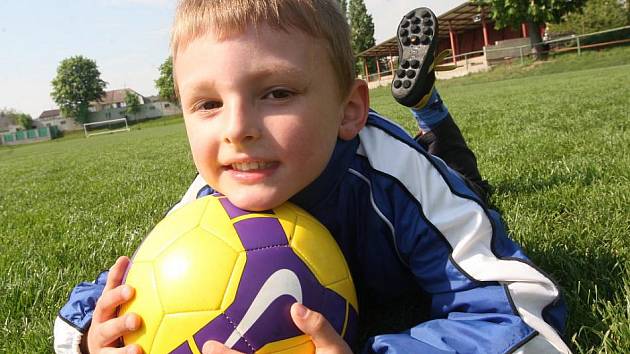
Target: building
114	99
469	32
53	118
112	106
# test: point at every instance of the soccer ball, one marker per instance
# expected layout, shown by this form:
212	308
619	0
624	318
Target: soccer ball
211	271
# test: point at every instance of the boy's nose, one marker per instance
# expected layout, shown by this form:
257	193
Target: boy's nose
241	126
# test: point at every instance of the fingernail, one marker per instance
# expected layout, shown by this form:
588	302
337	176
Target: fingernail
131	323
126	292
301	310
210	346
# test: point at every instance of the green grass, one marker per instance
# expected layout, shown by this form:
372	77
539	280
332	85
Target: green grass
556	147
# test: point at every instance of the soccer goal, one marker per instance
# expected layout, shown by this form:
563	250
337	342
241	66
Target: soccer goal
105	127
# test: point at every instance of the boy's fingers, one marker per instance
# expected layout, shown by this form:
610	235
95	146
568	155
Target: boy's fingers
213	347
110	300
318	328
116	273
129	349
111	330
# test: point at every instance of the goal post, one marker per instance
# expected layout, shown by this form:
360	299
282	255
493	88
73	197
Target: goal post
105	127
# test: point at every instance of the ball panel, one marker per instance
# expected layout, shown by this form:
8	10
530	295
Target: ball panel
232	287
345	288
185	348
145	302
287	217
218	329
319	251
205	260
215	220
296	345
260	232
170	228
178	328
273	279
351	328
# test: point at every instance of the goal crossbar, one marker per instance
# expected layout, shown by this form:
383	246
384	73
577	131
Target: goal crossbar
104	122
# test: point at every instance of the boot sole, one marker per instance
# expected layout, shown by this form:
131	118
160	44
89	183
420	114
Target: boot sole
417	43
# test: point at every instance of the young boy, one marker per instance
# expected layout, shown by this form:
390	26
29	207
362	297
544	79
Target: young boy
273	113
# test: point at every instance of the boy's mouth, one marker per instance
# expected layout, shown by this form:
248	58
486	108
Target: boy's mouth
251	165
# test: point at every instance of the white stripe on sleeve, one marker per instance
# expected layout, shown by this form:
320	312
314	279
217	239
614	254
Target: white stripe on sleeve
467	229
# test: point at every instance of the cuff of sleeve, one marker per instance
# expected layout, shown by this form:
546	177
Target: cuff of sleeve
67	338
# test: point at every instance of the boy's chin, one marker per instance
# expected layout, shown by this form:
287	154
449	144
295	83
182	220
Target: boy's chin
255	203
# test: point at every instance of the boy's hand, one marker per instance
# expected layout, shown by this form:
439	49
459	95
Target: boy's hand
325	338
312	323
106	329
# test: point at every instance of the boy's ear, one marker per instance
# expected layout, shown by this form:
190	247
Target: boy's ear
355	110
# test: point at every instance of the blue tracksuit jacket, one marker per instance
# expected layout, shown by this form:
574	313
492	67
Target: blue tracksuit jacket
405	221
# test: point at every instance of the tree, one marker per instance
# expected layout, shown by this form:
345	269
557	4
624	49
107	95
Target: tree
533	12
362	28
596	15
343	5
17	118
165	83
132	103
25	120
78	82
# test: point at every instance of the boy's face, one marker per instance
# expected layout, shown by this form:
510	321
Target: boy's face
262	111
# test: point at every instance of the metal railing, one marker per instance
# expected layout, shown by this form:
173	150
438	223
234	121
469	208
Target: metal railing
576	43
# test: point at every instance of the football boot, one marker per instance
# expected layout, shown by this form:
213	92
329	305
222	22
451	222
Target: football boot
417	36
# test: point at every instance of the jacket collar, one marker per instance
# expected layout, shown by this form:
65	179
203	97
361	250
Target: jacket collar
330	178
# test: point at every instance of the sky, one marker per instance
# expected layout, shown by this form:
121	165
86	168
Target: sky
128	39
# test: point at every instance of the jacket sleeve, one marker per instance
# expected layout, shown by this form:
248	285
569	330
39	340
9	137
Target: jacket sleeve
74	318
486	296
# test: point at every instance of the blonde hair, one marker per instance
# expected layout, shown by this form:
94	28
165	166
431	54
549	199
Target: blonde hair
321	19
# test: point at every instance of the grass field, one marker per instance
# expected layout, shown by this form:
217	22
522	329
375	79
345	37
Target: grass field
556	147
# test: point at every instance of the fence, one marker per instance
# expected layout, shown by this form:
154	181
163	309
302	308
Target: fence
29	136
577	43
481	59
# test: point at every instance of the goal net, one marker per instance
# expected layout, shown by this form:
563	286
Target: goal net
106	127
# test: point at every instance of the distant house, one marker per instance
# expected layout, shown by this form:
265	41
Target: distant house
53	117
112	106
114	99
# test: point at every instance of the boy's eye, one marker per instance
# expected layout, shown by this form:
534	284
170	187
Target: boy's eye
210	105
278	94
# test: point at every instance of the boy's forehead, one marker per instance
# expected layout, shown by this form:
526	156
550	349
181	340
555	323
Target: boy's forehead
210	63
262	52
260	32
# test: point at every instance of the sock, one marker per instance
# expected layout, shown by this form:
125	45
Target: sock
432	114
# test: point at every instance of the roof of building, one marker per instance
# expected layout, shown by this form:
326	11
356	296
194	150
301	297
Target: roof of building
154	98
115	96
459	19
51	113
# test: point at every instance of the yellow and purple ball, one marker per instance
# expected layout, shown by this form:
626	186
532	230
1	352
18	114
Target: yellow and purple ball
211	271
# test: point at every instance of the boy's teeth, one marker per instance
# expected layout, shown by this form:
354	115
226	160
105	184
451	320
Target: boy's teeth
246	166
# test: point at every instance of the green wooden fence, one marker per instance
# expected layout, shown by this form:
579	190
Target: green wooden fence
29	136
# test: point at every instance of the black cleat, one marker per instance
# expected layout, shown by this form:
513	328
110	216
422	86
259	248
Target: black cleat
417	45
